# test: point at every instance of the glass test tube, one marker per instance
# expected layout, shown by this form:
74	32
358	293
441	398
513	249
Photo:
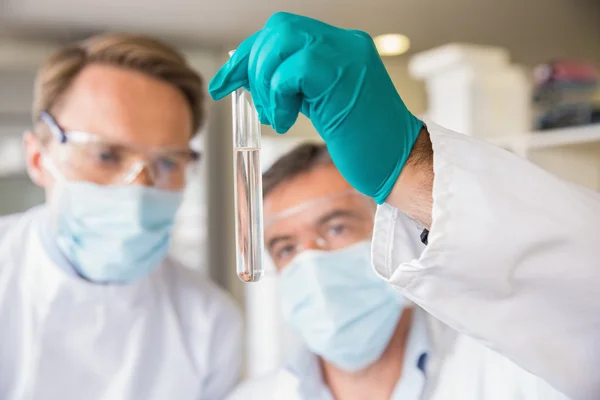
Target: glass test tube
247	188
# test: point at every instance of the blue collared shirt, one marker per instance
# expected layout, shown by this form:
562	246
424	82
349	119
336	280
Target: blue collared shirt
306	369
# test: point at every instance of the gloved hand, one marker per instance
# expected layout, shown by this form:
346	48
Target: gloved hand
335	77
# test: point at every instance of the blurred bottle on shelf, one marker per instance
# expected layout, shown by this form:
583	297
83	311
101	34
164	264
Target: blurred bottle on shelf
566	93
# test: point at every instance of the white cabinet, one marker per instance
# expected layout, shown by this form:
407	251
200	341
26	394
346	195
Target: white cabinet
474	89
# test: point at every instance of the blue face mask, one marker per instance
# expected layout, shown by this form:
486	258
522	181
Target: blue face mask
343	311
113	234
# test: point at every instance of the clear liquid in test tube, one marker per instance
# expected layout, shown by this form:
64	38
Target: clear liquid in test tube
247	188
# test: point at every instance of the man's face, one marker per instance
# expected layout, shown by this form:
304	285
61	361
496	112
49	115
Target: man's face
317	210
121	107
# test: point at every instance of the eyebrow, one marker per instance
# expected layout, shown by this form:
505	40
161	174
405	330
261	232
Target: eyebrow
323	220
277	239
336	214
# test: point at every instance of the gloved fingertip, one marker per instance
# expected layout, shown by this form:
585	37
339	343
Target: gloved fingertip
234	73
263	119
216	93
217	87
281	130
283	120
262	116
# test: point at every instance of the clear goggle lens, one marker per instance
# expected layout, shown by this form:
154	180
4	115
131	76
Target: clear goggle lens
107	163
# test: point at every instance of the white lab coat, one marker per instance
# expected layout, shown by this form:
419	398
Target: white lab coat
513	260
168	336
459	368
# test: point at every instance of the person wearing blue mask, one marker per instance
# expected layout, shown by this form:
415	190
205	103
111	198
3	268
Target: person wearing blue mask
512	254
361	338
91	307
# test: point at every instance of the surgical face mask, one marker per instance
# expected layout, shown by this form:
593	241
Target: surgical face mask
112	234
342	310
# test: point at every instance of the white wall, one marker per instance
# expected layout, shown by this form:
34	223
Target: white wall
17	72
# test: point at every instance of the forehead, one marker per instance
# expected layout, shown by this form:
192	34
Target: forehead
319	182
307	198
125	105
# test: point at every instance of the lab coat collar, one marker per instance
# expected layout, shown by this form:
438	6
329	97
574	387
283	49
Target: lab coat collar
414	369
419	340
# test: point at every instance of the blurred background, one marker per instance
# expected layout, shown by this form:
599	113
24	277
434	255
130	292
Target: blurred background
521	74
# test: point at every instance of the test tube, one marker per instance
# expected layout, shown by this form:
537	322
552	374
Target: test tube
247	188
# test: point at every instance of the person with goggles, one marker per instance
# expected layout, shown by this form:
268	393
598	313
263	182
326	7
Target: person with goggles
91	307
362	339
512	257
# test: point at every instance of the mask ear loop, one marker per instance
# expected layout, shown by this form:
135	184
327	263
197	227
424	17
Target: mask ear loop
49	165
54	203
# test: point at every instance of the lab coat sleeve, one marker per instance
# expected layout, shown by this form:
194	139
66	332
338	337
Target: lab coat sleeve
513	260
227	352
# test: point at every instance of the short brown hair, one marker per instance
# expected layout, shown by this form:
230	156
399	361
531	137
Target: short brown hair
140	53
302	159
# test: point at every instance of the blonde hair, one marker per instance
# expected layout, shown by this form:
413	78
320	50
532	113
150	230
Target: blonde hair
139	53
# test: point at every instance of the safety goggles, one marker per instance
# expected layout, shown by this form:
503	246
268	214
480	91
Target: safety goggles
327	223
92	158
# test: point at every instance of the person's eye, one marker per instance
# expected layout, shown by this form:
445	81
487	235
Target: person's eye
336	230
108	156
170	164
165	163
285	252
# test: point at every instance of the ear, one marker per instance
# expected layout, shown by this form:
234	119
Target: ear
33	157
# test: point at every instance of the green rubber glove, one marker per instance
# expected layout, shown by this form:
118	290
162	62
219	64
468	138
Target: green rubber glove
335	77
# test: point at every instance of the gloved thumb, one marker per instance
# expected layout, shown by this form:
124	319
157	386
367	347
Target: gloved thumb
234	74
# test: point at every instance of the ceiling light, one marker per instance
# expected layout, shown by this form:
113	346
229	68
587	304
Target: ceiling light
392	44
